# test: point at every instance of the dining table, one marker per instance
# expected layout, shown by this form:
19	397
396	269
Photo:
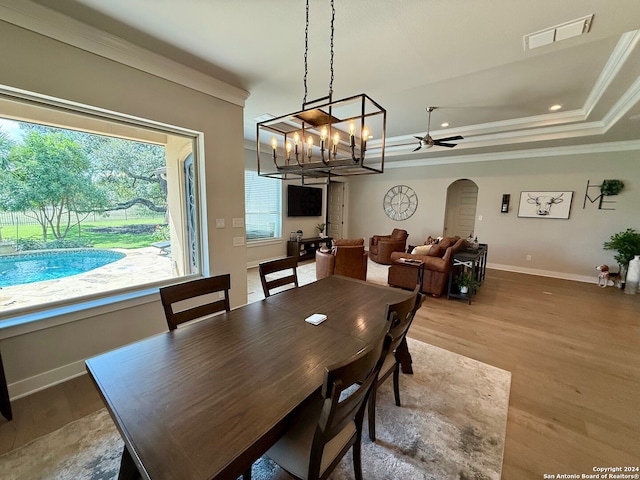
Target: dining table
206	400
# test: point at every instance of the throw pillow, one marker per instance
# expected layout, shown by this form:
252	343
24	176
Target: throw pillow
421	250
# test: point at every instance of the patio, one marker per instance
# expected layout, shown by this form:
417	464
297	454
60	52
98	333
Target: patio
139	266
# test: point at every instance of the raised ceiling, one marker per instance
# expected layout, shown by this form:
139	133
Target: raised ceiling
465	57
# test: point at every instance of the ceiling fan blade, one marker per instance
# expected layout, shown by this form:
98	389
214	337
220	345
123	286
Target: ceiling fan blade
419	147
438	143
419	138
446	139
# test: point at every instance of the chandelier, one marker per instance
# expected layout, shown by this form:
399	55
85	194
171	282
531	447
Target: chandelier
326	138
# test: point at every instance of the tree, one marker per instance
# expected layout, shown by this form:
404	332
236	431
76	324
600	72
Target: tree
131	172
51	178
5	147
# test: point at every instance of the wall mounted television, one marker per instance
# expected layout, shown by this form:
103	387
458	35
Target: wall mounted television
304	201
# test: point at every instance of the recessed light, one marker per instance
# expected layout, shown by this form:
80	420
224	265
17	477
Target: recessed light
444	125
555	108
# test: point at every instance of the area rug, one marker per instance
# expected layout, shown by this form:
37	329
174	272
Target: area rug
451	426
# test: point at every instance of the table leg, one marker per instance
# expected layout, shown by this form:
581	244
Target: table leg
5	402
128	469
404	357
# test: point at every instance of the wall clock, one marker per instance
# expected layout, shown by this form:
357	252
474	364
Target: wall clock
400	202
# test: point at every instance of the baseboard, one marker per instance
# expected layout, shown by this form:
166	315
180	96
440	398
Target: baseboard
34	384
544	273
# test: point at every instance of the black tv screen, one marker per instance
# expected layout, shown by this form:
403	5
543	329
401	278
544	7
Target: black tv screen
304	201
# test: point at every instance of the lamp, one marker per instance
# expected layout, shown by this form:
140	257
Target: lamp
326	138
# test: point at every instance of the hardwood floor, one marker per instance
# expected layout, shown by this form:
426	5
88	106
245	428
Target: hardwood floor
573	350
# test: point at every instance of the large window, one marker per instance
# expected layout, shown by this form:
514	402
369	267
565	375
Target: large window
263	206
91	205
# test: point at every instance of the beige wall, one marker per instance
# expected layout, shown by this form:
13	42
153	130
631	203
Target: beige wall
39	64
567	248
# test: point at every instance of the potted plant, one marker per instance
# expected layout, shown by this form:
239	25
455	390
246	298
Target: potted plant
320	227
466	281
611	187
627	244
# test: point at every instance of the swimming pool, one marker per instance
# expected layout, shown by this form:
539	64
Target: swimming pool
40	265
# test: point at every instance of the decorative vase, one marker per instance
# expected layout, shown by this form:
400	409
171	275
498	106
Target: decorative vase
464	289
633	276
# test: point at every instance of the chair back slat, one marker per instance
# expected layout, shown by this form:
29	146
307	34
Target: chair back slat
276	266
193	293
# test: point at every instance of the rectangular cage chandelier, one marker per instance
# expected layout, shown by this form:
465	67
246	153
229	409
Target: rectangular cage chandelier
331	139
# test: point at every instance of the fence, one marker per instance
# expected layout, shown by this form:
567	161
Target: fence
11	221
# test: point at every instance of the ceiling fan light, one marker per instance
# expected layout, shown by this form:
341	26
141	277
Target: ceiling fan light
555	108
444	124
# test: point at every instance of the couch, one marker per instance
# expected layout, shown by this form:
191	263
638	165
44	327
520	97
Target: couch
437	264
347	257
382	246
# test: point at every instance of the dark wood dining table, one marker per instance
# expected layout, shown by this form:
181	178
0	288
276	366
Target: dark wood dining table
206	400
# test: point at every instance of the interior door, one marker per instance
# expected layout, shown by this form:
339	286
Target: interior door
335	209
460	215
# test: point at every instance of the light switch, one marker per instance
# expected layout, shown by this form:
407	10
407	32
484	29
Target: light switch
219	222
238	222
238	241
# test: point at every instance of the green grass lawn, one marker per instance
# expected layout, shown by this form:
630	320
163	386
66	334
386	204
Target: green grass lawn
102	234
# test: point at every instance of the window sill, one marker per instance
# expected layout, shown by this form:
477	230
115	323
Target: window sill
25	322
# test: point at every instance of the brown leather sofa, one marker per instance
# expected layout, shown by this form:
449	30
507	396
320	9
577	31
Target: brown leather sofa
382	246
346	257
437	264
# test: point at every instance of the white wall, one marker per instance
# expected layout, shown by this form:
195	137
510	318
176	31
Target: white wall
39	64
567	248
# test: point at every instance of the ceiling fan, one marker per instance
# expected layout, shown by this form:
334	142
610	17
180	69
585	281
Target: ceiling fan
427	141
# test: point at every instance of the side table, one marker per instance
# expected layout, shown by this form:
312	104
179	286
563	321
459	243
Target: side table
413	263
476	261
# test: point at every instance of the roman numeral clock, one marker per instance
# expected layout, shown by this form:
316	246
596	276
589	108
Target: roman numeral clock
400	202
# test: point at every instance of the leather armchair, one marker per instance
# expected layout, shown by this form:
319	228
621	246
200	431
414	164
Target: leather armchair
346	257
382	246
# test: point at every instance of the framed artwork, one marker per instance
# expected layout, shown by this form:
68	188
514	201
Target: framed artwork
536	204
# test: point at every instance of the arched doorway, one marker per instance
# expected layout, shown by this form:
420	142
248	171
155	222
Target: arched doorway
460	212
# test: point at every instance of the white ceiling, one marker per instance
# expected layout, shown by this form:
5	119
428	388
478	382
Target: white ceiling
465	57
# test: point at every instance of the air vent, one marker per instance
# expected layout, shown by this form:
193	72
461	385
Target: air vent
557	33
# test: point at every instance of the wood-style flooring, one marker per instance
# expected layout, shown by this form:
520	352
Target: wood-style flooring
573	350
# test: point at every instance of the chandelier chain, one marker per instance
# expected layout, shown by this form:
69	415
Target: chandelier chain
306	50
333	16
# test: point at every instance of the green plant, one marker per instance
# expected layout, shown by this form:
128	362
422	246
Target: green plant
611	187
626	243
161	233
320	227
466	279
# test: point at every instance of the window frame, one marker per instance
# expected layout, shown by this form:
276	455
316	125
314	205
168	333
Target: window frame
35	317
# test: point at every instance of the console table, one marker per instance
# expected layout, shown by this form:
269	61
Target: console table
474	260
305	248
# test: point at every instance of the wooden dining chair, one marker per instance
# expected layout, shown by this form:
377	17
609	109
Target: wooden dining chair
330	423
198	297
277	279
399	315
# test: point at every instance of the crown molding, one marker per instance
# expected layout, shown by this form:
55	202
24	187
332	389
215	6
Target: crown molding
584	149
52	24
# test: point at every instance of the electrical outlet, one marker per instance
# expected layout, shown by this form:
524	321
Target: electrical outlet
238	241
528	258
219	222
238	222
